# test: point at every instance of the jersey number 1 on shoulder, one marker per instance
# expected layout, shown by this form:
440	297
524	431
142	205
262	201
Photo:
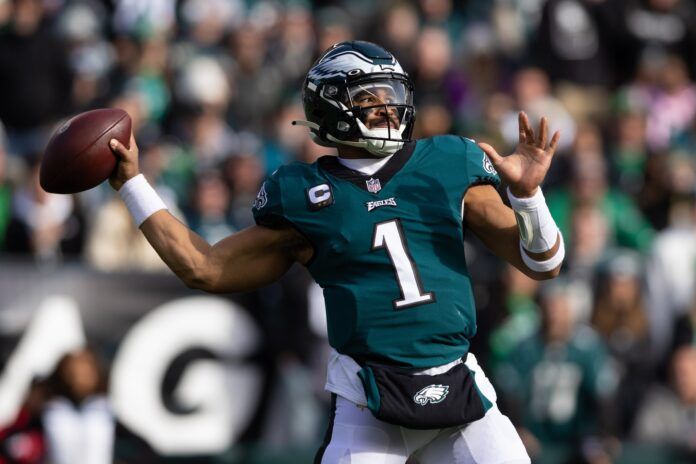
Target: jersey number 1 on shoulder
390	235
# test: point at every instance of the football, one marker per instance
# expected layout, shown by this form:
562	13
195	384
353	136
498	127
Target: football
78	156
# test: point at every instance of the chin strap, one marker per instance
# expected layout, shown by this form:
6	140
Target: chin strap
379	148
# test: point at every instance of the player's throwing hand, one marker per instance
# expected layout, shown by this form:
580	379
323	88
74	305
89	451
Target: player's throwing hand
526	167
127	166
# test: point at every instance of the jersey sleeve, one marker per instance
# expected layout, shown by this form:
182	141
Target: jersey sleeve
479	168
268	205
464	159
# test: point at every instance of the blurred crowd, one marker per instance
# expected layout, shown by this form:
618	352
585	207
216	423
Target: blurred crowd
602	356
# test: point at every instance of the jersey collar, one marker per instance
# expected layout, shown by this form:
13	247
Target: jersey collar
334	167
367	166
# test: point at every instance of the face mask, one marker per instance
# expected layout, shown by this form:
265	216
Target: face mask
381	148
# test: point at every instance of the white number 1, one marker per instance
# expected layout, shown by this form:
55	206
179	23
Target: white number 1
390	236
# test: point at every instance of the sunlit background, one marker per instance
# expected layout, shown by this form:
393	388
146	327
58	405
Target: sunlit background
105	355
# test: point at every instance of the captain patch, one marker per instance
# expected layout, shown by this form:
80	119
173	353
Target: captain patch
319	197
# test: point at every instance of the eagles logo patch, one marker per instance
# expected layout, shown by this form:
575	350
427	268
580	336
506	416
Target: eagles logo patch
261	197
488	166
431	394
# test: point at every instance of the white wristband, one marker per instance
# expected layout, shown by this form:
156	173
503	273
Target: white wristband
548	265
140	198
538	230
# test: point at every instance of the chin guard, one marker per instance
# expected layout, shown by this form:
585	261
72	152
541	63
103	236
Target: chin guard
377	141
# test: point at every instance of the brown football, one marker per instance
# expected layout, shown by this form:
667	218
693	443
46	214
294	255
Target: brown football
78	156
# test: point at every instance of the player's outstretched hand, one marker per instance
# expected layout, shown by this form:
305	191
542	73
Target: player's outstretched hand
127	165
525	169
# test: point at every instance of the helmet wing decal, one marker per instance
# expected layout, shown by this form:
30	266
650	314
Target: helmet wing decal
341	64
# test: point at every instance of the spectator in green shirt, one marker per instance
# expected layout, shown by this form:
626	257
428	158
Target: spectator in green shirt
556	383
589	188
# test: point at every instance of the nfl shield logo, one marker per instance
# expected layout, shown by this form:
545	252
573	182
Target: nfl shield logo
373	185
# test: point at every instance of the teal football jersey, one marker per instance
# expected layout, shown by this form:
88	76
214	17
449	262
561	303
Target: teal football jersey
388	248
559	384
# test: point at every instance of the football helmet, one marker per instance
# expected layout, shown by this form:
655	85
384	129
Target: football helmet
357	94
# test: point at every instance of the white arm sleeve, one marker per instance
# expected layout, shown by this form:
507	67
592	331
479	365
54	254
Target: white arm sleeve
538	230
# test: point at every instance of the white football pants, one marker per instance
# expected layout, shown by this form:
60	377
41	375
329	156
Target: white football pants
355	436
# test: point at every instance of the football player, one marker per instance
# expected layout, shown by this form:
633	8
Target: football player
380	228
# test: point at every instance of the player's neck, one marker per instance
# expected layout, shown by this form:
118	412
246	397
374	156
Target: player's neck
365	166
348	152
361	160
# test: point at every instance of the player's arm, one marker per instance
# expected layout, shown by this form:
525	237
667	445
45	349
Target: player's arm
494	223
244	261
526	235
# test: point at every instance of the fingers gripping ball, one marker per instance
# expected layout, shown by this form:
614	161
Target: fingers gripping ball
78	156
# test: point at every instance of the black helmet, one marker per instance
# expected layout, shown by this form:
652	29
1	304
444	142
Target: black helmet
344	73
